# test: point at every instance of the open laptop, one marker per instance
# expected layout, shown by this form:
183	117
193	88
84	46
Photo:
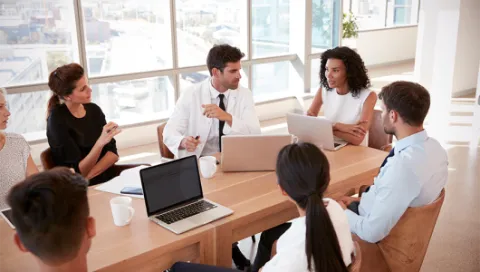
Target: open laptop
252	152
174	197
315	130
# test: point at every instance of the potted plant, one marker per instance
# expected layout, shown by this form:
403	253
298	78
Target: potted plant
350	30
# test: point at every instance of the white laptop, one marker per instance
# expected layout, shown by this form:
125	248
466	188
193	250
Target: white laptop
315	130
252	152
174	197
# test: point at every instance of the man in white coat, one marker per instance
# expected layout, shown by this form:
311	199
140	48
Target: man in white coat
215	107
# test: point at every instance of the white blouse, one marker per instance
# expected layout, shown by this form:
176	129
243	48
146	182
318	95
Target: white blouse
291	254
345	109
13	164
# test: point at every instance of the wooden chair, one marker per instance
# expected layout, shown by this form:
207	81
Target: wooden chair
164	151
356	264
405	247
48	163
377	138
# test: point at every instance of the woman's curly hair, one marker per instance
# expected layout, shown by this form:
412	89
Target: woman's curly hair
357	76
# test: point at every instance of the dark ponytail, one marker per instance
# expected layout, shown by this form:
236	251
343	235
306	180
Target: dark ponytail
303	172
62	82
321	241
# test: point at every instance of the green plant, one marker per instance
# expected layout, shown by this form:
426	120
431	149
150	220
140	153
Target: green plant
350	28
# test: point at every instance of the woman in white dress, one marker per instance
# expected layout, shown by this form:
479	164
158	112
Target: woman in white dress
347	101
16	163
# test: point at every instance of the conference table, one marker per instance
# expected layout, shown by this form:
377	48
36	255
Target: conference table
253	196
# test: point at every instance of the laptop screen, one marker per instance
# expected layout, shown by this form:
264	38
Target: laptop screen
170	184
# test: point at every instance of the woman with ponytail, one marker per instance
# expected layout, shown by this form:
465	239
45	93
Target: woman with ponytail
77	132
320	239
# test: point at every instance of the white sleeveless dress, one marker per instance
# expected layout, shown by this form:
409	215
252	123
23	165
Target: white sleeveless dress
344	109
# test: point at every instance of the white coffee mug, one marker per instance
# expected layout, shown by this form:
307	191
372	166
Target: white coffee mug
122	210
208	166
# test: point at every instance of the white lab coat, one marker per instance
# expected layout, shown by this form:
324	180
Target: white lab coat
188	119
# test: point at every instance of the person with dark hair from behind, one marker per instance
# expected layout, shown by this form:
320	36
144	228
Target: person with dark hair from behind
51	216
77	132
412	175
215	107
320	239
347	101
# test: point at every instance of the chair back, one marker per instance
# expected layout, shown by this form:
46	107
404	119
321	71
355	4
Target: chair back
377	138
47	159
164	151
405	247
356	264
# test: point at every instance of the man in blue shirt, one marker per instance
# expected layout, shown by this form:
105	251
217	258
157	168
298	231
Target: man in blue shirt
412	175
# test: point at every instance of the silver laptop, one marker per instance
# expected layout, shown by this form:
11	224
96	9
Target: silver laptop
252	152
174	197
315	130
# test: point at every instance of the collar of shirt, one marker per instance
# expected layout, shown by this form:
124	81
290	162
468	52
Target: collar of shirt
214	93
410	140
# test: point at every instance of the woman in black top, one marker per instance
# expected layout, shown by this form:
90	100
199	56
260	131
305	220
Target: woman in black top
77	132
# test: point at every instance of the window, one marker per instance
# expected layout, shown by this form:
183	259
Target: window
270	27
127	36
314	75
271	80
325	18
132	57
35	38
369	13
202	24
28	112
128	102
373	14
402	12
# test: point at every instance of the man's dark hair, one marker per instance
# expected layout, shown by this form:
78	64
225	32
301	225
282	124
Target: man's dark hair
411	101
50	212
220	55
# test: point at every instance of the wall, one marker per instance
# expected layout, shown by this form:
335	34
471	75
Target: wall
389	45
468	45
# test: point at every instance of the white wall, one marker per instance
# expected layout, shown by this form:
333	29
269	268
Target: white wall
468	47
384	46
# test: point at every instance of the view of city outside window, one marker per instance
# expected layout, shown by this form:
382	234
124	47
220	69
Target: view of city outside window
272	79
132	101
202	24
36	36
325	20
125	36
28	112
270	27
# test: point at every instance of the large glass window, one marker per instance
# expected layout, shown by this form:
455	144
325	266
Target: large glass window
373	14
28	111
325	19
271	80
35	37
131	101
127	36
202	24
270	27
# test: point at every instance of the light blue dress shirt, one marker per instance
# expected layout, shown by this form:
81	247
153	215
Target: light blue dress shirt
413	177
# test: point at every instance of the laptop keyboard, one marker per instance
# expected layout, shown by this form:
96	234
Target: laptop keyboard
184	212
